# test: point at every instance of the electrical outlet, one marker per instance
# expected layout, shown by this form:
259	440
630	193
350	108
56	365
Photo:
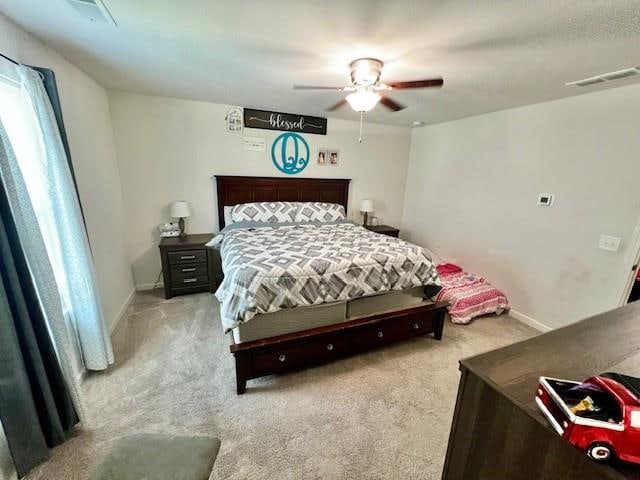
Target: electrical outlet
609	243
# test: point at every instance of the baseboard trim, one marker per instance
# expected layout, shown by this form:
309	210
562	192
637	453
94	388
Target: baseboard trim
149	286
122	311
527	320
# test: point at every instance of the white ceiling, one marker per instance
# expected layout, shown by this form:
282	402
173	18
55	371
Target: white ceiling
493	54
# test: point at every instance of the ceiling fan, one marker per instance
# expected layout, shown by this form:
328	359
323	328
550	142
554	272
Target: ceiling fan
366	90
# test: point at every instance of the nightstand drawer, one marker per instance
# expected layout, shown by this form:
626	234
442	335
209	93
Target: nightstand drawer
187	280
189	270
187	256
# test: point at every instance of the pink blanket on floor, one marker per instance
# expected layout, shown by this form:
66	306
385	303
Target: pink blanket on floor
470	296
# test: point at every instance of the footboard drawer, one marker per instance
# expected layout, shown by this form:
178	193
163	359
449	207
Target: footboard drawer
379	334
294	357
418	324
297	350
393	330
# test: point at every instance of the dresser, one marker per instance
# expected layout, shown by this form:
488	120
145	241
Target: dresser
498	433
188	266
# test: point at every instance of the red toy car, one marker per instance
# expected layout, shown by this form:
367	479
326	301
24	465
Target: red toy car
600	416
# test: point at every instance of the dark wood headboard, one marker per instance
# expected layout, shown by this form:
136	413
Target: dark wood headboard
234	190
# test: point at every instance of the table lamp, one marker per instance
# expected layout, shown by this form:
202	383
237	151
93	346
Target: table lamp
180	209
366	207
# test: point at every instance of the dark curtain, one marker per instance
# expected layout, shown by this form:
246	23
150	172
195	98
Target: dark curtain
35	406
50	85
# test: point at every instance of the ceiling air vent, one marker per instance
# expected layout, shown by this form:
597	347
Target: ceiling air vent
92	10
605	77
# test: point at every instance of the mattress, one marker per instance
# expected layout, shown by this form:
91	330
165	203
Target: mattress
273	267
303	318
364	306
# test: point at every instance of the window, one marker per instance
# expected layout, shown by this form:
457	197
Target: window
21	125
42	180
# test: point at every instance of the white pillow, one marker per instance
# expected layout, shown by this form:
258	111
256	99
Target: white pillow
320	212
270	212
227	214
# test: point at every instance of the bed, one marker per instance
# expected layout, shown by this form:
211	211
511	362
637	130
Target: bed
296	294
468	295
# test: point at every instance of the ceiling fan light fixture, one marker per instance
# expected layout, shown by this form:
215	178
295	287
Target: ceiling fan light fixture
365	71
363	100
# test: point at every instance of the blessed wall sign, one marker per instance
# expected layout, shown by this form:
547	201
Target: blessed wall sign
287	122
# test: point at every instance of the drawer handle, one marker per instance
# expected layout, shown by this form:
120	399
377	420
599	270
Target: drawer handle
187	257
416	326
188	269
330	346
380	334
189	280
282	357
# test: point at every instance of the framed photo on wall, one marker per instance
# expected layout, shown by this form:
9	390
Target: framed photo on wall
323	156
333	157
328	156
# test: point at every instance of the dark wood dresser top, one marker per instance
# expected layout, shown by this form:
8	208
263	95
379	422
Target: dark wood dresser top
606	342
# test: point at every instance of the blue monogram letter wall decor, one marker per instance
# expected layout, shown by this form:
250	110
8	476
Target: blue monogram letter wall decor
290	153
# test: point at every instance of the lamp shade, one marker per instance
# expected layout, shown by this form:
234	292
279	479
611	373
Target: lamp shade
363	100
180	209
366	206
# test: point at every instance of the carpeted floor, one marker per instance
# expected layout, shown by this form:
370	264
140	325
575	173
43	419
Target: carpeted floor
385	414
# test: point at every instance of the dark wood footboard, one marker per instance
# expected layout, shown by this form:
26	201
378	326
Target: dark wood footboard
298	350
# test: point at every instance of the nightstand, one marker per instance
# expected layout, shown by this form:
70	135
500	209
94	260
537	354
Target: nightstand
188	266
384	230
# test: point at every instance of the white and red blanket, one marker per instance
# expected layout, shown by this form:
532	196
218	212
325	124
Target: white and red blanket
469	295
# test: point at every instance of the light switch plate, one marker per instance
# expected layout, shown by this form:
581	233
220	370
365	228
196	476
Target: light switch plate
609	243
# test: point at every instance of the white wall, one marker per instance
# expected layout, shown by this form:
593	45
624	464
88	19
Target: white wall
472	189
88	123
168	149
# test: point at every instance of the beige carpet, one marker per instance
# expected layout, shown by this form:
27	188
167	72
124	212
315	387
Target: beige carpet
385	414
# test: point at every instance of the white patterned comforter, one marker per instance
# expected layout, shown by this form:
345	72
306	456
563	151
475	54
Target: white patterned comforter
277	266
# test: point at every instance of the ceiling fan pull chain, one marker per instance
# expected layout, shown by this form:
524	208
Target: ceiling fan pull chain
360	136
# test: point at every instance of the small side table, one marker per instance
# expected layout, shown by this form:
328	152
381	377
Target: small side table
384	230
188	266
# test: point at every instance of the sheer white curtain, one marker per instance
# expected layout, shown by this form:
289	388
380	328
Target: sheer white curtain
55	201
39	170
18	137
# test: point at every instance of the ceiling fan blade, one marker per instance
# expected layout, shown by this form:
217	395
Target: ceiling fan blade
337	105
391	104
312	87
427	83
